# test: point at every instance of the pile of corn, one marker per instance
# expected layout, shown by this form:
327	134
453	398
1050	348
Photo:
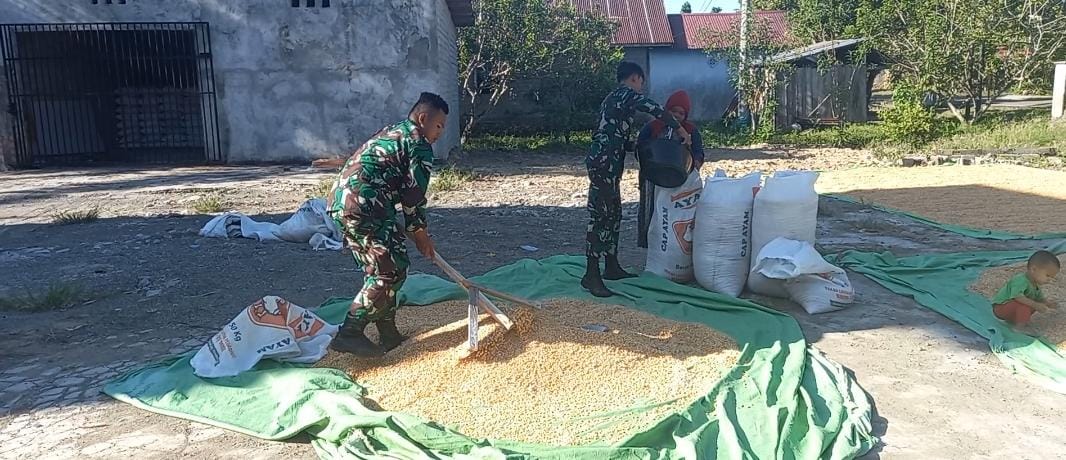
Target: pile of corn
997	197
548	380
1052	325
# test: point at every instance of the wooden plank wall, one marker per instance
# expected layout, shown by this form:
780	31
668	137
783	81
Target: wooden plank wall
808	93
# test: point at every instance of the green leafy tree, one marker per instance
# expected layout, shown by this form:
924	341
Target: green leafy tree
967	52
582	68
750	70
812	21
716	9
534	40
686	7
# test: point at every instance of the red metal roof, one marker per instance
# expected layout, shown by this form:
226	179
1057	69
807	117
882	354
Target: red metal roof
640	22
695	30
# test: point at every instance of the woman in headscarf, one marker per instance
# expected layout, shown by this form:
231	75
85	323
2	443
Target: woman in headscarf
679	105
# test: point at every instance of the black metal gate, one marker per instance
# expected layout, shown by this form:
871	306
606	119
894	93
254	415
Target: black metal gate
111	93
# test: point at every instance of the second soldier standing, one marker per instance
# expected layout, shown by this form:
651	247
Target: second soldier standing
606	163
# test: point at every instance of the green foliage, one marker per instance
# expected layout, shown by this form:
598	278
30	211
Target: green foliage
56	296
908	121
973	49
209	204
686	7
76	217
750	71
571	142
854	136
582	70
322	188
1000	130
536	40
450	178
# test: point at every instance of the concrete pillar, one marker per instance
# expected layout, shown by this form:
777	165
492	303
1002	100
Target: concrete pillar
1058	94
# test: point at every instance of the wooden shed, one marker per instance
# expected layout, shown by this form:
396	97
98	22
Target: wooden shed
811	95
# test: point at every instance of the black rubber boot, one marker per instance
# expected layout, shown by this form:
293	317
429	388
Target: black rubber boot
592	280
351	339
390	336
613	271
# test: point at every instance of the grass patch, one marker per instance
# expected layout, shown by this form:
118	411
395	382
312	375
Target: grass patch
322	188
58	295
76	217
208	204
1025	133
450	178
856	136
577	141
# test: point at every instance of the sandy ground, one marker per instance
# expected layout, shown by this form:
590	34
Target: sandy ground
153	287
1001	197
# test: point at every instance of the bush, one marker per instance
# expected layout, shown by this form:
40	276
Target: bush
907	121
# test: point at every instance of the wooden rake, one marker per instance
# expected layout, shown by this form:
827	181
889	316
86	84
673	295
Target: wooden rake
479	301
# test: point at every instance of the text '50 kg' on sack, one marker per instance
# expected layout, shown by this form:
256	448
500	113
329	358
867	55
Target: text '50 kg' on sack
722	236
269	328
670	232
786	207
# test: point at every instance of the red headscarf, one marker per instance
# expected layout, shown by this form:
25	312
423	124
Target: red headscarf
678	99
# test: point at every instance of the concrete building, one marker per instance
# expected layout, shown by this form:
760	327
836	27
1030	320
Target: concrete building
221	81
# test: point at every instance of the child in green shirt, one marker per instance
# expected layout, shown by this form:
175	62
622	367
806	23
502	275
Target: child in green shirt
1016	302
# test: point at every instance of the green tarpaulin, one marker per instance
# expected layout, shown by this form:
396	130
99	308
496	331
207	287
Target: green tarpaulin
783	400
959	229
941	282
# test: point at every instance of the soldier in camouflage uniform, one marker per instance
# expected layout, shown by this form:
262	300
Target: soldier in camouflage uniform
605	163
391	169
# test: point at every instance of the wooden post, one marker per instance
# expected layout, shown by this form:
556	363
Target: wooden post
472	312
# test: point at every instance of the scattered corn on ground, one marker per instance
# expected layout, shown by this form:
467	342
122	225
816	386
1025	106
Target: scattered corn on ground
1051	325
549	383
997	197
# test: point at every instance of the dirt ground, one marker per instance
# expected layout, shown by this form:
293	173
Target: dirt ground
152	286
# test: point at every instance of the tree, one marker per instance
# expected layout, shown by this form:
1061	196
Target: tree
813	21
716	9
506	41
686	7
582	70
974	50
755	83
536	40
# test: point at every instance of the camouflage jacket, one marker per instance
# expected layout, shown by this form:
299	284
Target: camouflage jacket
390	169
616	118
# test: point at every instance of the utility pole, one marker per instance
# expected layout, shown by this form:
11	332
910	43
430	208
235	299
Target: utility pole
742	79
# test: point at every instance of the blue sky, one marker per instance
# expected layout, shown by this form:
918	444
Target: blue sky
700	6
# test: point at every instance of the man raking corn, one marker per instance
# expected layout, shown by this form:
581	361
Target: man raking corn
390	170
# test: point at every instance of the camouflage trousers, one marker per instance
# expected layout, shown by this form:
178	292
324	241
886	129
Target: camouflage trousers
604	201
382	256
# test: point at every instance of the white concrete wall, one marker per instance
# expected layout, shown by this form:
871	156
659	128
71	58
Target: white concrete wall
691	70
299	83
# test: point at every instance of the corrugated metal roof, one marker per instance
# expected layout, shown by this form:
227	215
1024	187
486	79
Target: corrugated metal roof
812	50
695	31
640	22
